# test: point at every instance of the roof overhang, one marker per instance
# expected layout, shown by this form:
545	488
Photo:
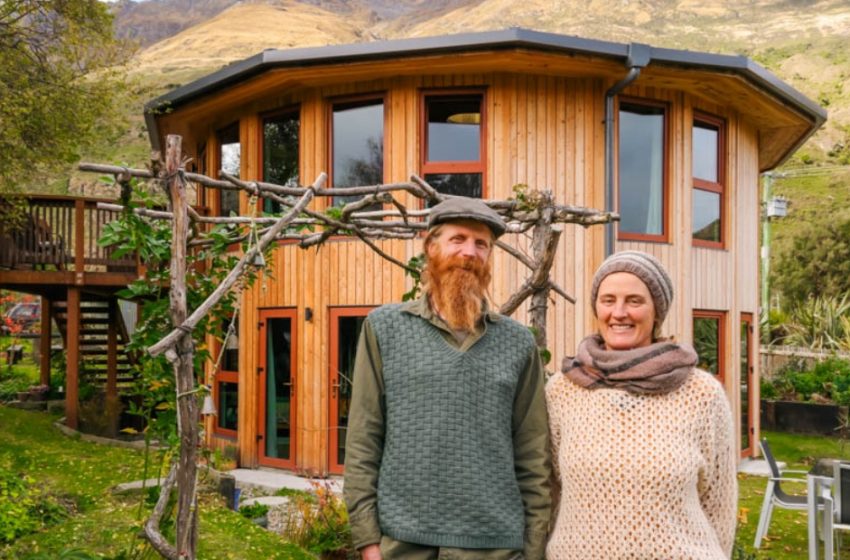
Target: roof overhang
509	39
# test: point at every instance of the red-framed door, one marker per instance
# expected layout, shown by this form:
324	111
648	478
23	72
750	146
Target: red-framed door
747	372
345	326
278	376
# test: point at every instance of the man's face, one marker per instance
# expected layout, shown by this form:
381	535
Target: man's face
458	272
467	239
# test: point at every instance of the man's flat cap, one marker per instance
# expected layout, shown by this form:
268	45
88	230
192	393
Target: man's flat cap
464	208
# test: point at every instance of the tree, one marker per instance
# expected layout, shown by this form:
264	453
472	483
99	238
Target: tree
59	79
818	264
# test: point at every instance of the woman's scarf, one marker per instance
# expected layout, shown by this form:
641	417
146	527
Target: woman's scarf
650	370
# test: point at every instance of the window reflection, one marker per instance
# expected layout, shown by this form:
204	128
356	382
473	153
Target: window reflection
453	162
280	153
358	146
706	215
230	157
641	169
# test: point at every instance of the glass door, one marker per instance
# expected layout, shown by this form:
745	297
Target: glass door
746	378
346	323
277	377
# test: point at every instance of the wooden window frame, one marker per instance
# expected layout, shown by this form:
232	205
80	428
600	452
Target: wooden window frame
290	313
223	376
721	338
447	167
334	314
261	140
381	96
214	202
748	319
664	237
708	186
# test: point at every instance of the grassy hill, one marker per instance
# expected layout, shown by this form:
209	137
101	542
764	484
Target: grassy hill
804	42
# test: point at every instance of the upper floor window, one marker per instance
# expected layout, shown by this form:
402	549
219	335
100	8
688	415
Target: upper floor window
229	161
357	145
707	162
453	159
280	153
642	170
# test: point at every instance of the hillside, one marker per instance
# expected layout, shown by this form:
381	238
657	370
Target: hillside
805	42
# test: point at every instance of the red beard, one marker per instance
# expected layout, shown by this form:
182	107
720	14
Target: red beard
457	287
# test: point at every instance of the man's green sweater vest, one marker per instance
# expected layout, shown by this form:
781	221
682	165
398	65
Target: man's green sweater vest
447	471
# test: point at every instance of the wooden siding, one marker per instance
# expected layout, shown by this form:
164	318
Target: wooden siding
545	131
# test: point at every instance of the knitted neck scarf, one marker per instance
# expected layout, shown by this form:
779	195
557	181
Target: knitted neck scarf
655	369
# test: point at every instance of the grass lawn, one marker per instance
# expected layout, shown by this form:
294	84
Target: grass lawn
80	474
786	536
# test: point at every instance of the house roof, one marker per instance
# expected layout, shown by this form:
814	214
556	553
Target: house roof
513	38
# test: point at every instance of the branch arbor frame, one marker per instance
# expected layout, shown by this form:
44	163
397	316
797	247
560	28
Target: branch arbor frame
534	211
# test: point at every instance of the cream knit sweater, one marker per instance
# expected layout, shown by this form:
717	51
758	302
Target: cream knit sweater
642	476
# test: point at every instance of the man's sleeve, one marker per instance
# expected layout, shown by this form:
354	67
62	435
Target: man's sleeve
532	460
364	443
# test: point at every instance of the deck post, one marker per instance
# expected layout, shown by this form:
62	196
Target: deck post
72	376
46	320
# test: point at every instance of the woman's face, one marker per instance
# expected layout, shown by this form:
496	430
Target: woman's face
625	314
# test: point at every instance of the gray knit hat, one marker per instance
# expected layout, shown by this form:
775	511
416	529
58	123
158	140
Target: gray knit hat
644	266
465	208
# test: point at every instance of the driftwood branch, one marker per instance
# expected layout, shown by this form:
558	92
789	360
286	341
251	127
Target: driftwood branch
152	531
190	323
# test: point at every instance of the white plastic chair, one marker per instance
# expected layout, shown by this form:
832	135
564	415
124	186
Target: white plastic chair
841	497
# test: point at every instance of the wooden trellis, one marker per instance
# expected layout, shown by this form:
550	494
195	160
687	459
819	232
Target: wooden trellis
534	211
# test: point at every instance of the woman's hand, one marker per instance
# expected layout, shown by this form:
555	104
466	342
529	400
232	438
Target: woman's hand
371	552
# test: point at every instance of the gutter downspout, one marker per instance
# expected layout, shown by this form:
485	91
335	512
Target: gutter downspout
639	56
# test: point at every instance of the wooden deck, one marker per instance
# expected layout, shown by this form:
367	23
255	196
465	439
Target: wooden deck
51	249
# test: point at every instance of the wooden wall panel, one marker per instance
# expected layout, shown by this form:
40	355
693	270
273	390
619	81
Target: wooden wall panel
545	131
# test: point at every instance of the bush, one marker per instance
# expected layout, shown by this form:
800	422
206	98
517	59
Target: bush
319	521
23	509
830	379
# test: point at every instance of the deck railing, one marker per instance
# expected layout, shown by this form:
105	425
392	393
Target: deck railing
60	233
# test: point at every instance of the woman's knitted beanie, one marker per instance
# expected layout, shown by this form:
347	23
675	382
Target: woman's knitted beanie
644	266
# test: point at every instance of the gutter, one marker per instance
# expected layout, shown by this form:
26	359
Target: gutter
638	56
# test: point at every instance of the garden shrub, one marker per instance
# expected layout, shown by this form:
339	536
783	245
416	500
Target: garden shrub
318	522
829	378
23	508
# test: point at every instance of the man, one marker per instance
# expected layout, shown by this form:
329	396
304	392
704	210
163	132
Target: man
447	454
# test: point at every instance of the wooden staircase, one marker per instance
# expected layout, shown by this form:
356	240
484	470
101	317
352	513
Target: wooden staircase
100	319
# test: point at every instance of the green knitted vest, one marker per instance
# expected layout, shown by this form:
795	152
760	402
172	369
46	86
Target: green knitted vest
447	472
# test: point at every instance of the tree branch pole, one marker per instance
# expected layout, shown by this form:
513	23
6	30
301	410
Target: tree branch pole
191	322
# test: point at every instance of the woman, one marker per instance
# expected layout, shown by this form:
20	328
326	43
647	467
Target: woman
642	441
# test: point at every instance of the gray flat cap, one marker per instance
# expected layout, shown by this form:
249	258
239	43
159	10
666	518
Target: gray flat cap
465	208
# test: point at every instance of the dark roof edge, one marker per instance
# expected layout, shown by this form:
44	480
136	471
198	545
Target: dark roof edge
487	40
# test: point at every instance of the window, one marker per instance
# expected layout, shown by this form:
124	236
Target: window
709	341
453	143
346	324
280	153
229	161
642	171
227	381
707	158
357	145
746	374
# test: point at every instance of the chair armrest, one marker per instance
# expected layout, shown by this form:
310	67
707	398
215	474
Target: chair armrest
786	479
785	471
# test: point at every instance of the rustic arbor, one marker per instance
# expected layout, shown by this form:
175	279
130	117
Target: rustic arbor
534	211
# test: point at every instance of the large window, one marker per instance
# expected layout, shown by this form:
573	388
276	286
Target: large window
709	341
229	161
357	145
226	391
453	159
642	170
280	152
346	323
707	148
